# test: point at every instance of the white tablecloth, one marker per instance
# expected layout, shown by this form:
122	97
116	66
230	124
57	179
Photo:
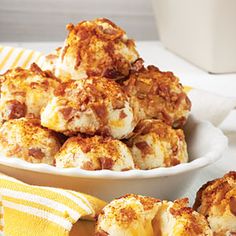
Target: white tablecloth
224	84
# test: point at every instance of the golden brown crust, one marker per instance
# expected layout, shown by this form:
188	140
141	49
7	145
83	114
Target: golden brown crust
139	215
128	215
193	223
44	73
147	202
214	191
25	91
99	48
96	98
158	127
27	140
94	153
155	144
216	200
159	95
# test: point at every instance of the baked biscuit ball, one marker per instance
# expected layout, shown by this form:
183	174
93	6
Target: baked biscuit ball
159	95
177	219
96	48
216	200
131	215
91	106
24	92
156	144
135	215
26	139
95	153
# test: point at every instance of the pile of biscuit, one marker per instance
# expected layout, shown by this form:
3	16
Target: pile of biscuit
92	104
214	213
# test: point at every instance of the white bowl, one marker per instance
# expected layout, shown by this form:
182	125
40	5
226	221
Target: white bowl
206	145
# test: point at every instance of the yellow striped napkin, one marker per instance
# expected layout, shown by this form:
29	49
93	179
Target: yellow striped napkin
27	210
11	57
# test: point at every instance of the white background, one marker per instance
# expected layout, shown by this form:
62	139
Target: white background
45	20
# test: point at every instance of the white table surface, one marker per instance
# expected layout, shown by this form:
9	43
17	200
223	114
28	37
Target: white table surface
225	84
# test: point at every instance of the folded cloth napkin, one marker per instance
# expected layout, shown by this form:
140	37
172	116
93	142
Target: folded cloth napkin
210	106
11	57
27	210
205	105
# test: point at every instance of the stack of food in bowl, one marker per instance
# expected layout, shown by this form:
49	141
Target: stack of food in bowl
113	112
93	118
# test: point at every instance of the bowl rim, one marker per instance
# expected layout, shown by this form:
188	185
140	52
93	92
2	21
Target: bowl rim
200	162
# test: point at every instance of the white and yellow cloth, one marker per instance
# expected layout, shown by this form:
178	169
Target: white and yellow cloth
11	57
42	211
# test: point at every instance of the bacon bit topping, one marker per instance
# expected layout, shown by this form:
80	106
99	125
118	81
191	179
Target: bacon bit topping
66	112
60	90
37	70
175	149
19	93
64	52
119	103
106	163
83	34
101	233
15	109
34	85
105	20
174	162
137	65
127	215
109	48
87	166
101	111
78	60
86	147
110	31
166	118
232	205
122	115
112	74
36	153
105	132
70	26
144	147
148	202
93	72
45	84
180	122
181	97
179	212
126	169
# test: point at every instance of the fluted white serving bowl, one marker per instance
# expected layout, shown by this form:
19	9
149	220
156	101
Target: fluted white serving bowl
206	145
